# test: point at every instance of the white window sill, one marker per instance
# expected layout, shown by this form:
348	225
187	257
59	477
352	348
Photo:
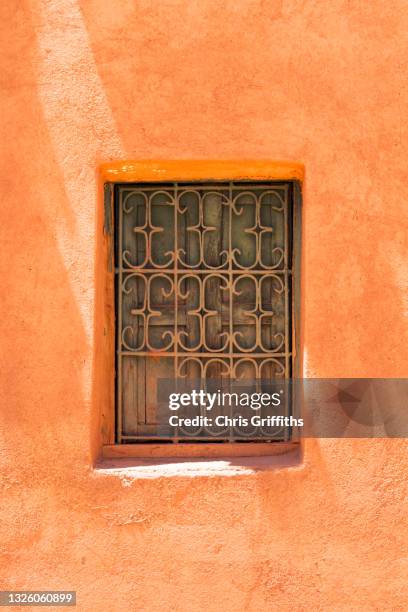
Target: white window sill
128	469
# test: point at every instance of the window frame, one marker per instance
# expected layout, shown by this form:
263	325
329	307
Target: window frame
181	171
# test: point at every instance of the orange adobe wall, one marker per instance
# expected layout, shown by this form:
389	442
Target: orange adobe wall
87	82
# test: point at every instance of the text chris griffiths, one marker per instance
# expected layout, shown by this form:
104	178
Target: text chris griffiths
224	420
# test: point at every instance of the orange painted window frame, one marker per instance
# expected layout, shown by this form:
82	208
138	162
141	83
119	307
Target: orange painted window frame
173	171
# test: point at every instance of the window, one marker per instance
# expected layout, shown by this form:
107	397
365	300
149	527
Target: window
205	287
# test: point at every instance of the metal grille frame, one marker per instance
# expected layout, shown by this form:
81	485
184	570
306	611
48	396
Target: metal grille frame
217	347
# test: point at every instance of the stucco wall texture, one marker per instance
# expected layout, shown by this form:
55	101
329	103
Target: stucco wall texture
86	82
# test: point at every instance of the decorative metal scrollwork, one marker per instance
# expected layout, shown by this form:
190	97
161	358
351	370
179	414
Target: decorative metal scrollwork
203	281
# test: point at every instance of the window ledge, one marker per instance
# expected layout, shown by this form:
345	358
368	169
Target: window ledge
280	456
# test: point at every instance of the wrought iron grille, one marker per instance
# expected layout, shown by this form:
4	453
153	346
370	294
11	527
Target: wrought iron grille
203	289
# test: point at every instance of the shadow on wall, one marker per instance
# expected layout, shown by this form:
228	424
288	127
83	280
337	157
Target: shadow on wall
47	337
